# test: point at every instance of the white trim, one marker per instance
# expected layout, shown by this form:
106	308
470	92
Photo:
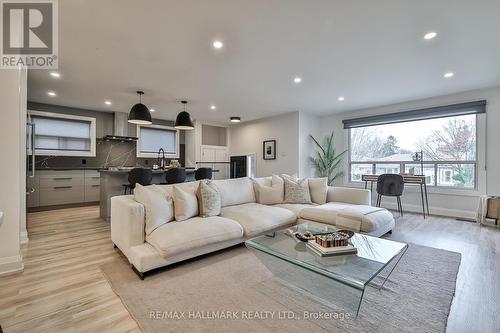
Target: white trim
154	155
91	153
23	237
11	265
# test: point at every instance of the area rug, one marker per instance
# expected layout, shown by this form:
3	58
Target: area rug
231	291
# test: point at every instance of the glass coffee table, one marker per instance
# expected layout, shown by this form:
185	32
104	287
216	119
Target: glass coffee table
339	281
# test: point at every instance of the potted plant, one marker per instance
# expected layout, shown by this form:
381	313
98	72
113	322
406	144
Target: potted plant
327	162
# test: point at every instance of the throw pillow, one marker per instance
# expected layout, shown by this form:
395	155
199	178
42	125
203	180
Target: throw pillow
318	187
185	202
297	191
294	176
209	201
270	195
158	206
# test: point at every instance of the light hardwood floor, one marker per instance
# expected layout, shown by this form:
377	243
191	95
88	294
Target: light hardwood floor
63	290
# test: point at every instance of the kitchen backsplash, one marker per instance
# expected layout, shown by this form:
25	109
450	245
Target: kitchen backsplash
108	154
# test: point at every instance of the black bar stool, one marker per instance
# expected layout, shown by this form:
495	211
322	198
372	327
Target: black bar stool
138	175
175	175
203	173
390	185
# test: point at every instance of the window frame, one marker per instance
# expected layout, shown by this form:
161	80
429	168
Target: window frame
63	116
161	127
479	174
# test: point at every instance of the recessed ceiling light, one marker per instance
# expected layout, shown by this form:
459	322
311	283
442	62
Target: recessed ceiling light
297	79
235	119
151	110
213	107
430	35
341	98
107	102
217	44
55	74
51	93
448	75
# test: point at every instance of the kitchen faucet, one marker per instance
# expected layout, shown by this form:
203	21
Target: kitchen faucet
161	162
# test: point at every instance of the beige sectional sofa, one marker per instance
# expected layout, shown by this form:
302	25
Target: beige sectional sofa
241	217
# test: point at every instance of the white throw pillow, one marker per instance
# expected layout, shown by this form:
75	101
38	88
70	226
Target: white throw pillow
296	191
318	188
158	206
185	202
294	176
209	201
270	195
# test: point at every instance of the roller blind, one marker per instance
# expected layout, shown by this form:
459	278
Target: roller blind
152	139
62	134
420	114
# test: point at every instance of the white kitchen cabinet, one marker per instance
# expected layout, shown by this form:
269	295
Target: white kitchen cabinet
207	154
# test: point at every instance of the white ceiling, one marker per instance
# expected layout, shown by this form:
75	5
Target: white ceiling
371	52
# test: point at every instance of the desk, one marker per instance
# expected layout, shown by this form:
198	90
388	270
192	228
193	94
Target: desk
418	180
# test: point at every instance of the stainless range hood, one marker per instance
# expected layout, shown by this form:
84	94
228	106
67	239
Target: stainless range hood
120	129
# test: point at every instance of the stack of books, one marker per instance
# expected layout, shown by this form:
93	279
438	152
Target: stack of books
330	251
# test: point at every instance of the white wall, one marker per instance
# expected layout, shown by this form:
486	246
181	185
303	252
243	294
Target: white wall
459	203
309	124
13	169
247	138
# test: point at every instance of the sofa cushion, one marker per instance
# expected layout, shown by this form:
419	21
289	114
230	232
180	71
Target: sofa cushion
185	201
295	208
208	199
326	213
168	188
266	181
176	237
318	188
235	191
366	219
158	206
272	194
256	218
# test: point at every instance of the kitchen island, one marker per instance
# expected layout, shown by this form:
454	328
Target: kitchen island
113	179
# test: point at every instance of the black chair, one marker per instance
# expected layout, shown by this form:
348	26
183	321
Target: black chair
390	185
203	173
138	175
175	175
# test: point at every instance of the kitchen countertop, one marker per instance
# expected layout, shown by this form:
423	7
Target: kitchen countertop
127	171
68	168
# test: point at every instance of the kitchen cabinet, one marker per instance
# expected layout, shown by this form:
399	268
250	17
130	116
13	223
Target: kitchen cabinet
61	187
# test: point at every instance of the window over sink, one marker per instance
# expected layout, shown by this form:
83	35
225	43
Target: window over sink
152	138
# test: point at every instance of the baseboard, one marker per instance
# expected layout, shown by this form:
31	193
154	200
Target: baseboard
11	265
433	210
24	237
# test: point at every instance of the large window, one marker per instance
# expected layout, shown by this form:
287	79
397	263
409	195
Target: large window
63	135
155	137
448	145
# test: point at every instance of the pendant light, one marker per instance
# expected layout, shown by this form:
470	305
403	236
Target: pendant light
184	120
139	113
